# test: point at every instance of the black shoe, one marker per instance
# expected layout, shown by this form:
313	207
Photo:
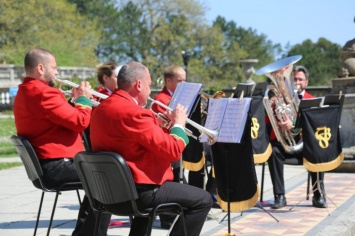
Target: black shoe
280	202
319	202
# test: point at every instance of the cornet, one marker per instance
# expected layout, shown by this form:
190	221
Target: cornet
74	85
211	134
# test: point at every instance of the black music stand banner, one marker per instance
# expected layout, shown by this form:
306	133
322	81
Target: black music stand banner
235	173
321	140
261	145
193	155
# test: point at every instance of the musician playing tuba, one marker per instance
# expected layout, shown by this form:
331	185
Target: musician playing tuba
276	161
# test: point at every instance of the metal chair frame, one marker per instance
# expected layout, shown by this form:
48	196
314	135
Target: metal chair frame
35	174
110	188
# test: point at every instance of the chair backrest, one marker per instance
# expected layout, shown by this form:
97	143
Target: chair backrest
29	159
106	178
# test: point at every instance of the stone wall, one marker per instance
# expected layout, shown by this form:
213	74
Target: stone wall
11	75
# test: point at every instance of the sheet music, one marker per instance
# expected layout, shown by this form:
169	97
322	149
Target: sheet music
185	94
229	116
234	120
216	110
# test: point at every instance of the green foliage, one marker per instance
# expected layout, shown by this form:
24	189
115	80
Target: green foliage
322	59
53	25
7	129
7	165
154	32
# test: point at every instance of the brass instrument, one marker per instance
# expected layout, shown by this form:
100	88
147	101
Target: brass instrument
284	102
204	103
206	97
74	85
211	134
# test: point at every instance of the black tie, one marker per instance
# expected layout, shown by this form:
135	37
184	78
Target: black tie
300	96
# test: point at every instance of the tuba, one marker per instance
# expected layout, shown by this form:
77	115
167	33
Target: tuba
281	99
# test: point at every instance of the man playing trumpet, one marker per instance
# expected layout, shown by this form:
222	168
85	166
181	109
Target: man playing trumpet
121	124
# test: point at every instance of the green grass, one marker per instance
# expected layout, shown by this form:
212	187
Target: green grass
7	165
7	129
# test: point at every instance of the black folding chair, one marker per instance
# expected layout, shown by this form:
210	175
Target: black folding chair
35	174
109	185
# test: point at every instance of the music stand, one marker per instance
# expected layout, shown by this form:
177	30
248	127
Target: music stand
332	100
244	89
260	89
187	94
307	103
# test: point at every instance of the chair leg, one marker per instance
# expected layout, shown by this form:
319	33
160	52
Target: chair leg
262	182
39	213
53	210
77	192
97	223
183	223
150	224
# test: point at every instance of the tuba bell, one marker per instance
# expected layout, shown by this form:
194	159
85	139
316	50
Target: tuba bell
281	99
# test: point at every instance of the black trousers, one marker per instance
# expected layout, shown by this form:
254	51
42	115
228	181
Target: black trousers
197	201
276	168
62	170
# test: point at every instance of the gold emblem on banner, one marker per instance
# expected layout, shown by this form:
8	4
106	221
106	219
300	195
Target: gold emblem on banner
254	128
323	135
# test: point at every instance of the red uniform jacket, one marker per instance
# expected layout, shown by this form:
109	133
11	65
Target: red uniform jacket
163	97
48	121
102	90
120	125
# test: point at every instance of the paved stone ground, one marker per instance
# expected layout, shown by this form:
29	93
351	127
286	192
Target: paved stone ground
19	202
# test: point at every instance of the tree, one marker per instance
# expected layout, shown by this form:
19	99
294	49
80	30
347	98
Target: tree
322	59
53	25
155	32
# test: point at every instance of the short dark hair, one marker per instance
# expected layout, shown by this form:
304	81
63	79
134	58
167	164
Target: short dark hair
34	57
106	69
303	69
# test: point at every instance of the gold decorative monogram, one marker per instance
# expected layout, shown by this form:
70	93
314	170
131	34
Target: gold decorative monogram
323	135
254	128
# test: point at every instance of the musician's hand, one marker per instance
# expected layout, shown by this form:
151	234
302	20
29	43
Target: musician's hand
179	115
164	121
84	89
287	124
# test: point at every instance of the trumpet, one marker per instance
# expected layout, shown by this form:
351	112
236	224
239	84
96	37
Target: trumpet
74	85
211	134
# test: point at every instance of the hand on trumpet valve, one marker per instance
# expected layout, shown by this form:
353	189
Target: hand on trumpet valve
84	89
164	121
178	115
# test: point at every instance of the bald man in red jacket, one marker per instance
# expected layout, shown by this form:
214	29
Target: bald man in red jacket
121	124
54	127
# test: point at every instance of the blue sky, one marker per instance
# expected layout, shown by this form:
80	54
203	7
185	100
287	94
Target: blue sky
290	21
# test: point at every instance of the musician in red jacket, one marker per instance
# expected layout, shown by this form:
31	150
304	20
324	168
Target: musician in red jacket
275	162
173	75
53	126
107	77
121	124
